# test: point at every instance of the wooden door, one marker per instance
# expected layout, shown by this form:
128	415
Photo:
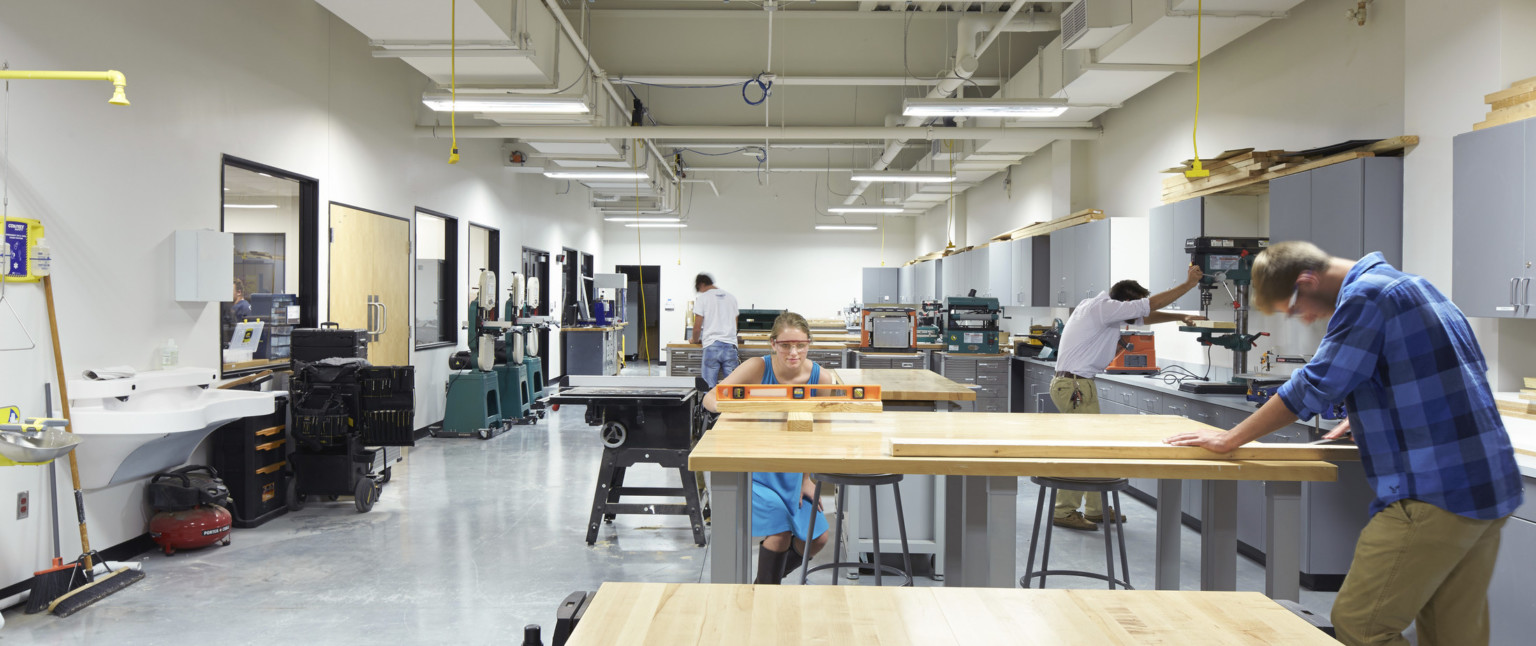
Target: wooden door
370	280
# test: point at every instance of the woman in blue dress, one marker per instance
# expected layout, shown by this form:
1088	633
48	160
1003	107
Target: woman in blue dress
782	503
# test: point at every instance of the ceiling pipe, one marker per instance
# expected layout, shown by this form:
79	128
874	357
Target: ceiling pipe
966	52
780	79
597	72
1034	131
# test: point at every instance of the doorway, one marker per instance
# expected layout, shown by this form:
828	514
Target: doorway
642	304
371	280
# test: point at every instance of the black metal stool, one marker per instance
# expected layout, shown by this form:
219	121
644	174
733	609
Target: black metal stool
1112	516
843	481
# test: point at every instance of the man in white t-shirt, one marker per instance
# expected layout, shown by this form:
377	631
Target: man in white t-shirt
1088	343
714	328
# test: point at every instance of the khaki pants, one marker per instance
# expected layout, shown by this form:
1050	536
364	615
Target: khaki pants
1415	561
1067	501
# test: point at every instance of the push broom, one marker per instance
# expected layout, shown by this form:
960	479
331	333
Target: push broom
106	584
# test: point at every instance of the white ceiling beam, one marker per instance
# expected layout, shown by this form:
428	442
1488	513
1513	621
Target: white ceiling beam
1067	130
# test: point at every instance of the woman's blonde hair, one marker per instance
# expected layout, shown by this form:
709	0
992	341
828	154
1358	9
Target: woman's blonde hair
788	320
1276	269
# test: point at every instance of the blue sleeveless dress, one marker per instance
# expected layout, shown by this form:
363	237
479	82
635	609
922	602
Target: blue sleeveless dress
776	503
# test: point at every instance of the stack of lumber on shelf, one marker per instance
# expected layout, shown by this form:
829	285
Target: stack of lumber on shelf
1042	228
1507	106
1248	171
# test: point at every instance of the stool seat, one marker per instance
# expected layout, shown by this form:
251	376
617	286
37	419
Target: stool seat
871	480
1048	487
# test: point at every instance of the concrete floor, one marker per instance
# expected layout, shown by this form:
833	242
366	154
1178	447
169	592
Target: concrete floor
469	542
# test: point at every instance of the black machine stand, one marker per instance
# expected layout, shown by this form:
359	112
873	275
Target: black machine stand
643	420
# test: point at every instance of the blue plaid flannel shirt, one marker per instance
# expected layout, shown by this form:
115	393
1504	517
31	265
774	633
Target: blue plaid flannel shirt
1404	360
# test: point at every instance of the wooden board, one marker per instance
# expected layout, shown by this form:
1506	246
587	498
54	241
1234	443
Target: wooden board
1214	325
963	448
739	615
1043	228
800	406
1512	403
1515	89
859	443
908	385
1276	164
1503	117
1530	382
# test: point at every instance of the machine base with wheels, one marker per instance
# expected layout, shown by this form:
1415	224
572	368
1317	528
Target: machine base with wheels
474	406
346	471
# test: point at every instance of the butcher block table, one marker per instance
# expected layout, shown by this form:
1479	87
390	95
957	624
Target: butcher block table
666	614
909	389
983	529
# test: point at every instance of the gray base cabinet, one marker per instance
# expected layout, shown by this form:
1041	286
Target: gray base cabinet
591	351
1511	606
987	374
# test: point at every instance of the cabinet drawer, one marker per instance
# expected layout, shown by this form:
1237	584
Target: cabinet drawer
992	391
874	363
1150	402
991	379
908	364
991	404
991	365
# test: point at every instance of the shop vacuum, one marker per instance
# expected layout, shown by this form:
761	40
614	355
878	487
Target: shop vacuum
190	509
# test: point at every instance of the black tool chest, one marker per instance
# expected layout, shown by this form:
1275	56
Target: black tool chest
327	342
251	455
339	413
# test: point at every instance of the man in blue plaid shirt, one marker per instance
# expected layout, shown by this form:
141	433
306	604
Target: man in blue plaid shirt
1433	445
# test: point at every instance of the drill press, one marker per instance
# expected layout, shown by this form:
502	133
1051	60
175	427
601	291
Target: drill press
1228	263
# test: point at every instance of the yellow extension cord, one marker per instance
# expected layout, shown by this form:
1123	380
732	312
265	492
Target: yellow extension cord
453	79
1197	170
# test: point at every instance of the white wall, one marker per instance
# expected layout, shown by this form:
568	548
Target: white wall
281	83
759	243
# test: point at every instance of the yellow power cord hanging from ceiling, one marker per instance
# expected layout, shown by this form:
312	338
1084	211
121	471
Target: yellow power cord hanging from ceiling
1197	170
645	330
949	149
453	79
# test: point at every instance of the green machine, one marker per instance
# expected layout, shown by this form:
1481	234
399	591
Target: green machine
972	325
521	305
475	398
1227	262
930	320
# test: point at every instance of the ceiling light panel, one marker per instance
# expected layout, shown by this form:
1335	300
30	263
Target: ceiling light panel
1030	108
919	177
506	103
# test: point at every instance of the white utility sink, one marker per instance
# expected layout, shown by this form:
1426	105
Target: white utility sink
134	428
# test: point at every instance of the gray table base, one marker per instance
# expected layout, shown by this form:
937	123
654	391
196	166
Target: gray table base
982	532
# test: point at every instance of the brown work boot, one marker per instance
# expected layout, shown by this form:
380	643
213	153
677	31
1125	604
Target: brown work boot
1074	520
1100	518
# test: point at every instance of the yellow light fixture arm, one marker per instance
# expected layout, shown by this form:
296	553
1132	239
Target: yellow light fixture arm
118	80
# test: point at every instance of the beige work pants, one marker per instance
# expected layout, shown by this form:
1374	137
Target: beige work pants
1087	402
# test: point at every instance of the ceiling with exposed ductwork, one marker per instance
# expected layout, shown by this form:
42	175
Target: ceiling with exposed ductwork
787	86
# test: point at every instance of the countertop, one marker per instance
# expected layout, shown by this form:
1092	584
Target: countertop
1522	431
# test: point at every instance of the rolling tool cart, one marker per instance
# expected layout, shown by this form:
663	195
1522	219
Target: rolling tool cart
654	420
343	411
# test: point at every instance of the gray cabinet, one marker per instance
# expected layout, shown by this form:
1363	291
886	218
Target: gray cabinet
1492	173
927	275
986	374
999	269
867	360
906	284
1348	209
1512	607
1031	269
591	351
1079	262
1169	226
954	273
882	285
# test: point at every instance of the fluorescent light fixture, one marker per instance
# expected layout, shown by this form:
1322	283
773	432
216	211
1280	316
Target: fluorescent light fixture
506	103
1025	108
920	177
635	219
250	206
596	173
865	209
677	225
846	227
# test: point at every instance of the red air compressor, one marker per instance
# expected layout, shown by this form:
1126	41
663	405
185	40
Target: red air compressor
189	509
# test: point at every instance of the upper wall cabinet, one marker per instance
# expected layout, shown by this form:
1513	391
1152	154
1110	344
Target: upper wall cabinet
1079	262
881	286
1170	225
1493	208
906	284
1349	209
927	275
1031	284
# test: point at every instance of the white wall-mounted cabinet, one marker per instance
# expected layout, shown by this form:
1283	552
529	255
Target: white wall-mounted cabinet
205	265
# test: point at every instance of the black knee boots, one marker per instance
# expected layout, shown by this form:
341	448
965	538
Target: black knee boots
770	565
792	563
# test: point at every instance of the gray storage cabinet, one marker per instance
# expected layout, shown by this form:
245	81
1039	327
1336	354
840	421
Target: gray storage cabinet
1348	209
1031	285
1511	606
927	275
985	373
1493	198
906	284
882	286
1169	226
1079	262
591	351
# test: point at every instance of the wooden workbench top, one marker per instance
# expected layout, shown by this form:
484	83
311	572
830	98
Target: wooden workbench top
756	345
860	443
742	615
907	385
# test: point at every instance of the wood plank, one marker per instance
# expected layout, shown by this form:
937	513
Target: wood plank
1214	325
1515	89
1403	143
799	422
734	615
1530	382
1326	161
1504	117
1512	403
797	406
907	385
859	443
962	448
1515	103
